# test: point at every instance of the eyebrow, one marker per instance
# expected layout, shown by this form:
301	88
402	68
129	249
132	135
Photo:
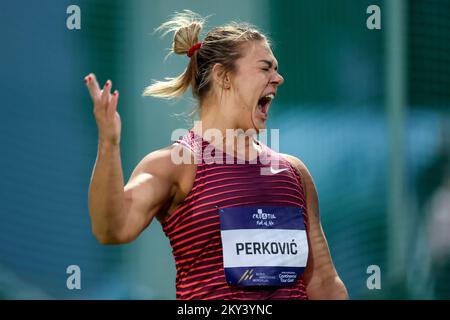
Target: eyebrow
269	63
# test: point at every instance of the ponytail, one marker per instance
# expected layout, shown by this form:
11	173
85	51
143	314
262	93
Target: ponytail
186	27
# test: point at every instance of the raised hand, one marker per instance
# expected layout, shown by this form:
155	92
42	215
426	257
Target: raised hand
105	110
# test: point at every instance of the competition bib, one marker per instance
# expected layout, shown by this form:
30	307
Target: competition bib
263	246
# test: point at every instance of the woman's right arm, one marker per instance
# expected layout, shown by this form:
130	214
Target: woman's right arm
120	213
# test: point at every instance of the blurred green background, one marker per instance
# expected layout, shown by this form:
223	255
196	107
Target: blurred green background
366	110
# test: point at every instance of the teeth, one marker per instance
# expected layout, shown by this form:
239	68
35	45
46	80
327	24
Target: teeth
264	100
269	96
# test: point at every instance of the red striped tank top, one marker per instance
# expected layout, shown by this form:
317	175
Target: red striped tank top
194	228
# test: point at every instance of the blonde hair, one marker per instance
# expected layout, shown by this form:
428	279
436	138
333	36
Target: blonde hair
221	45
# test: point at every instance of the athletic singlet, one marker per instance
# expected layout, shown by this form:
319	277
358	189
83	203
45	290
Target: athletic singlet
194	228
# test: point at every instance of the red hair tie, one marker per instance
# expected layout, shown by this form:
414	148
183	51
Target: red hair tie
193	49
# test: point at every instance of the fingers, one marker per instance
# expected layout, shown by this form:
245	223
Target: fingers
102	98
112	106
106	93
93	87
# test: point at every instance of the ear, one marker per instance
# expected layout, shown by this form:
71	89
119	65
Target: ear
221	76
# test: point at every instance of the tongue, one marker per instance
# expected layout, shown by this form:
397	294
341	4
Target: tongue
263	108
260	107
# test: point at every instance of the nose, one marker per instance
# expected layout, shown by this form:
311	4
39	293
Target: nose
277	79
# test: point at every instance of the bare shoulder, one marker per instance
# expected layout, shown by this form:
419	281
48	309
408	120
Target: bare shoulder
174	167
296	162
303	171
162	163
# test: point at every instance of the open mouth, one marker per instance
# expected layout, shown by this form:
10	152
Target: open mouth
264	103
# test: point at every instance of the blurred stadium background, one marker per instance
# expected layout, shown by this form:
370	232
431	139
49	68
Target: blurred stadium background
366	110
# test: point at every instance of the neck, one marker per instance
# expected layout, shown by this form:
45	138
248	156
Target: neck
213	117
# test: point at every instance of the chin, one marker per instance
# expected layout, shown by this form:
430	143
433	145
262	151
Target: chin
259	122
259	125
